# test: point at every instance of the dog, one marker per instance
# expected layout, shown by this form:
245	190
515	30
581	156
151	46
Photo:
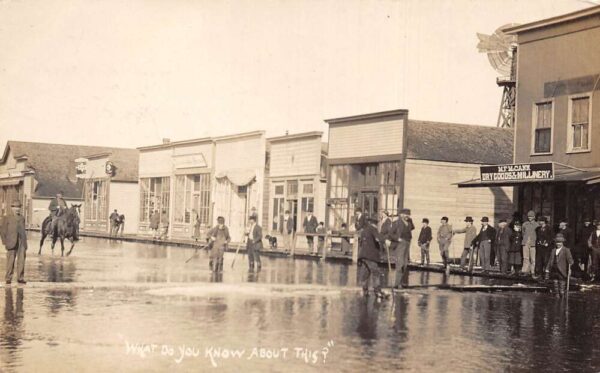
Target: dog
272	241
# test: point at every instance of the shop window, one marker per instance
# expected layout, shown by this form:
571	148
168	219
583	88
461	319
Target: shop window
292	187
278	209
579	123
192	199
543	128
278	190
95	200
339	181
307	188
154	196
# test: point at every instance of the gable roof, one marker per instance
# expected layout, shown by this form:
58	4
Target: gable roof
460	143
54	165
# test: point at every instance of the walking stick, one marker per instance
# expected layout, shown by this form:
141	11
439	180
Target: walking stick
568	282
235	257
195	253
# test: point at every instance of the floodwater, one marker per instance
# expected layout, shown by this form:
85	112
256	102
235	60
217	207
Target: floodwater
117	306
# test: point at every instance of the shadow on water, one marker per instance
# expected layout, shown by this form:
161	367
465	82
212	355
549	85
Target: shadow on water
12	327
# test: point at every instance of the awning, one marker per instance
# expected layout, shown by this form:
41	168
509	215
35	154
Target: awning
10	182
238	177
562	174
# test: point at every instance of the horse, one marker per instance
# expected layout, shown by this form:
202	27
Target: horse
67	226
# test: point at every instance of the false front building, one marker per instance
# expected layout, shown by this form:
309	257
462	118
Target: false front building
195	181
556	164
385	162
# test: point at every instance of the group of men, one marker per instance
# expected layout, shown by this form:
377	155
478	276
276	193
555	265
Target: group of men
311	227
117	223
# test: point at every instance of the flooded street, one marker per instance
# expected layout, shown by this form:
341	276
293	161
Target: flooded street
119	306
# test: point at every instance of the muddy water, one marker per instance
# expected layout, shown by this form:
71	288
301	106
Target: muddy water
116	306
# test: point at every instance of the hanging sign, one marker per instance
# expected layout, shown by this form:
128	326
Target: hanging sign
518	172
80	167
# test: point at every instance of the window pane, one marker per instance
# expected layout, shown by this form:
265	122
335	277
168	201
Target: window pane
292	187
542	140
307	188
544	115
577	136
279	190
580	110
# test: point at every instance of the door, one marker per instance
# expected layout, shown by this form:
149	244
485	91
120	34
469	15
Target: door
293	207
368	202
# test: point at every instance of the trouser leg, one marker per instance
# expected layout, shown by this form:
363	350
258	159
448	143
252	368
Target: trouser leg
21	254
485	251
464	256
250	254
539	261
401	262
504	260
423	253
374	274
10	264
363	274
525	259
310	242
257	258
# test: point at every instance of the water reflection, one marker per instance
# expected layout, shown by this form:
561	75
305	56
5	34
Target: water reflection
12	327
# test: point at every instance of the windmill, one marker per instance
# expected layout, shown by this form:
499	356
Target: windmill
501	50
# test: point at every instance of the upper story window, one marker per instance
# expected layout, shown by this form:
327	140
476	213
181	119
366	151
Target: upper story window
579	123
543	128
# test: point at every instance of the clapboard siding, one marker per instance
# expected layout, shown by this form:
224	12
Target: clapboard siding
156	163
430	192
364	140
296	157
241	153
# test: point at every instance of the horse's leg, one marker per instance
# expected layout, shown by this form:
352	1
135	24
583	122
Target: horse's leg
54	238
42	242
72	246
62	246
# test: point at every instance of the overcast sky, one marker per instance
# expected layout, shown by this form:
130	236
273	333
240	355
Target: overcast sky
128	73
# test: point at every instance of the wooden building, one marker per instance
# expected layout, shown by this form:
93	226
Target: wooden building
194	181
110	182
34	172
384	161
297	178
556	164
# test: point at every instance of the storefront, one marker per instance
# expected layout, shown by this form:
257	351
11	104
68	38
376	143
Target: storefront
385	162
194	181
556	163
109	181
297	178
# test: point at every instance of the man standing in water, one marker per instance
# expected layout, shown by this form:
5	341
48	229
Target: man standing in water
254	244
402	234
14	238
558	265
529	240
369	254
220	238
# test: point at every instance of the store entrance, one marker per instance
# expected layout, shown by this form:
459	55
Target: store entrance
369	203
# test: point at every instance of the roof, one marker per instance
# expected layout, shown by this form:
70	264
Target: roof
584	13
295	136
361	117
54	165
460	143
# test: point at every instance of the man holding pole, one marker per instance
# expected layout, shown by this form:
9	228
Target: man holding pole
368	256
559	266
402	234
470	234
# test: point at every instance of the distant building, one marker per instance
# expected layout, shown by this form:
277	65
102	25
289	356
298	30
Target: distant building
110	182
556	165
384	161
297	178
201	179
34	172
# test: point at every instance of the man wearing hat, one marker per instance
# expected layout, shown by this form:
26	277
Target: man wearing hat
559	262
310	225
594	244
14	238
583	238
254	243
386	227
543	246
402	235
503	236
369	253
485	239
444	239
57	206
470	234
529	240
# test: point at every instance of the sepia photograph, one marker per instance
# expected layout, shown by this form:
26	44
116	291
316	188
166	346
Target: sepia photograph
299	186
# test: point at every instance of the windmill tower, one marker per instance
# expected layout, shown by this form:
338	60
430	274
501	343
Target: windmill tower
501	50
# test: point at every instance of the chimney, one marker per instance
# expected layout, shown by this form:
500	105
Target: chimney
166	140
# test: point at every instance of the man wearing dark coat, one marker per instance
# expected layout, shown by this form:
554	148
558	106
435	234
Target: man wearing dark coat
559	262
220	238
385	230
515	258
57	207
543	246
368	255
360	220
583	249
310	225
503	235
286	228
402	235
14	238
594	244
254	244
485	240
425	237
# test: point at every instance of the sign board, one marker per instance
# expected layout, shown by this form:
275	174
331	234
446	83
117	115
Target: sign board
80	168
109	167
518	172
189	161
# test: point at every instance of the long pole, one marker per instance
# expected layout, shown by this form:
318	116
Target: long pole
568	282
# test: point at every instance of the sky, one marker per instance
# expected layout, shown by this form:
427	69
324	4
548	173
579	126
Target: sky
130	73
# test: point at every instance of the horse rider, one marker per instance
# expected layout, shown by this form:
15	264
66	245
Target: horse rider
57	207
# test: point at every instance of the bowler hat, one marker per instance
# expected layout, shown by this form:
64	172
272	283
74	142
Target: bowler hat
559	238
485	219
502	221
15	203
425	220
543	218
469	219
405	211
